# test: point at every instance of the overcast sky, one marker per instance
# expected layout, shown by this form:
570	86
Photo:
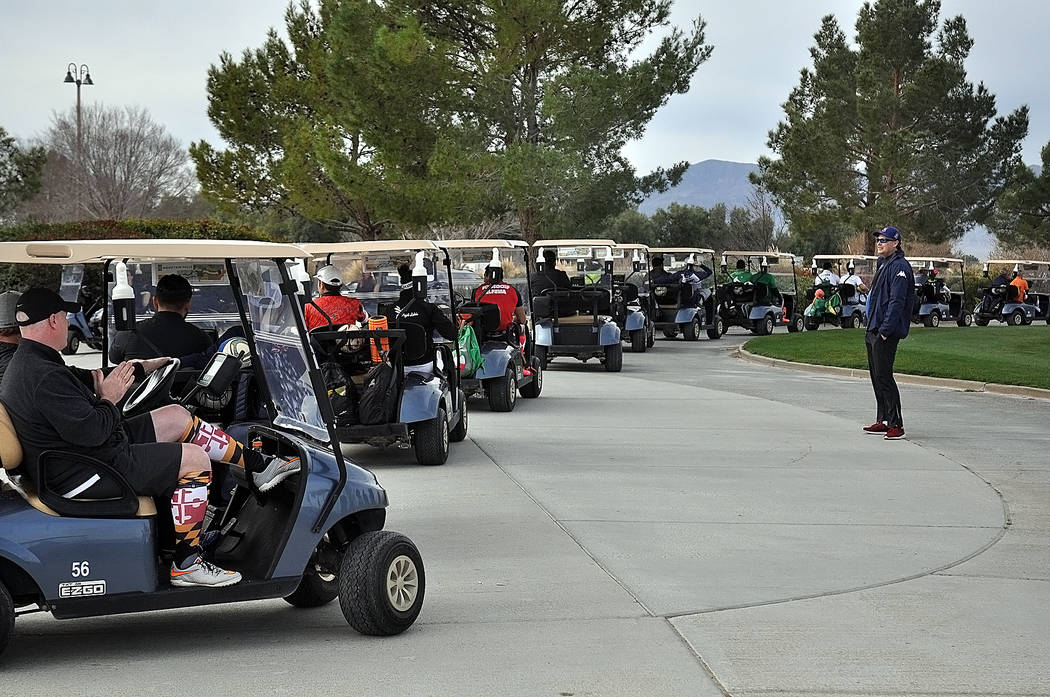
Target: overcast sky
156	54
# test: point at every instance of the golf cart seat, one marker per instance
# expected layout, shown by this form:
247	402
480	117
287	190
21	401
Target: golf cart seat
1013	293
629	292
926	293
671	294
563	301
125	505
598	301
847	291
484	317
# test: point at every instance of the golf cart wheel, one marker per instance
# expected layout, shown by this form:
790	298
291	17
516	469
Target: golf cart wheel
541	356
965	320
796	324
7	616
533	389
932	320
318	586
811	323
650	335
982	322
72	342
691	331
717	328
614	358
502	392
671	333
765	326
638	340
431	439
1016	318
381	583
856	321
457	434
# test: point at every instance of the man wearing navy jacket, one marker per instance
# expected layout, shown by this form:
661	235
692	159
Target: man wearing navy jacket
889	307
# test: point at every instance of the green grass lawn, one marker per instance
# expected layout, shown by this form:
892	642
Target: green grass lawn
1005	355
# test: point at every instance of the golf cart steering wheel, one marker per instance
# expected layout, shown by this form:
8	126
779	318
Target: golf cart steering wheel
158	383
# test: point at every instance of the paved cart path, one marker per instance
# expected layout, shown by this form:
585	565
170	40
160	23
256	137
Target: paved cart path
695	525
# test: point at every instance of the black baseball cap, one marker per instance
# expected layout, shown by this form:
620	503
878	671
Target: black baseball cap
37	304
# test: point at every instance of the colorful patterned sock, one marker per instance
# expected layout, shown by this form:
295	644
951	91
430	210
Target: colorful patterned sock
188	505
219	445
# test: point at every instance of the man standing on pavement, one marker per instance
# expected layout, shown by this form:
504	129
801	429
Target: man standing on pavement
889	318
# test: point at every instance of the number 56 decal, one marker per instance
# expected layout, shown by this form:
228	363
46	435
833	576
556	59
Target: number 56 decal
81	569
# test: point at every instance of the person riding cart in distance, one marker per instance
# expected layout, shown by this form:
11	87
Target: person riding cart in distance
1021	284
166	333
549	276
740	274
414	309
339	308
503	295
768	281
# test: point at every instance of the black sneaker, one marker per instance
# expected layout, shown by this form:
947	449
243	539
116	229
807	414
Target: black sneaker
276	471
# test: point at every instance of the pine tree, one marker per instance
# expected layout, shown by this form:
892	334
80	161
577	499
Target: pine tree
1022	213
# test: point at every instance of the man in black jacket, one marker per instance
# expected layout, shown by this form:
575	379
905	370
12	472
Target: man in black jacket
164	453
889	312
551	276
420	318
166	333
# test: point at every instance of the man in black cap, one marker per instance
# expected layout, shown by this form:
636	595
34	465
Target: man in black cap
166	333
9	334
889	312
551	277
165	453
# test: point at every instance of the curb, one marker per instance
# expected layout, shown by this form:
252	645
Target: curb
947	383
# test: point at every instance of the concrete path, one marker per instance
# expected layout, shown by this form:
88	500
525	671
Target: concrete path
696	525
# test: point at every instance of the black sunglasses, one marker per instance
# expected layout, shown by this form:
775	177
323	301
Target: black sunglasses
883	240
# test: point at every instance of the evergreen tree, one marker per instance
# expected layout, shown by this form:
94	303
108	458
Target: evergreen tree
891	131
20	171
1022	213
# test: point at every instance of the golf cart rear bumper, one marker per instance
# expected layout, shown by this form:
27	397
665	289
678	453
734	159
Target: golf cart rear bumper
362	433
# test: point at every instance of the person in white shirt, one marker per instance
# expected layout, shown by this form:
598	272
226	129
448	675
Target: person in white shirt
826	275
855	280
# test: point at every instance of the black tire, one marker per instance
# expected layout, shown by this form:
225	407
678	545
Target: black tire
765	325
811	323
541	356
533	389
671	333
856	321
72	342
430	440
691	331
614	358
982	322
717	328
795	325
638	340
459	433
502	392
1016	318
650	335
381	583
965	320
318	586
932	320
7	617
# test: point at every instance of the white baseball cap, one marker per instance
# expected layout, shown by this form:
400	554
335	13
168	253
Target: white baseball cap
329	275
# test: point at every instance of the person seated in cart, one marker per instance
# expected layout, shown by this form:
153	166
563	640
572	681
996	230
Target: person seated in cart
551	277
413	308
768	281
826	276
166	333
339	308
502	295
9	334
740	274
1021	285
164	453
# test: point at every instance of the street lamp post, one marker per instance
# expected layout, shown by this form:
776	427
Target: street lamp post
79	76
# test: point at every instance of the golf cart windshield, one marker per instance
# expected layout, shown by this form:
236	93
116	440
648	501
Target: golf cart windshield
72	279
632	265
468	268
372	277
936	270
780	266
1036	273
279	349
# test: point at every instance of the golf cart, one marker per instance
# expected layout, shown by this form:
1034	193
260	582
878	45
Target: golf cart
1000	301
316	536
508	364
85	326
426	410
578	321
630	303
940	292
762	293
674	307
844	303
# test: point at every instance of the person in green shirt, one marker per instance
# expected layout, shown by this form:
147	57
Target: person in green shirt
740	274
768	281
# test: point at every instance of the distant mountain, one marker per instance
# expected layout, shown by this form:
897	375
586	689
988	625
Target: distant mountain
706	184
1038	169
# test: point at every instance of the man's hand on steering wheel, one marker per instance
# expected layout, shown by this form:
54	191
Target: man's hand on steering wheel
152	364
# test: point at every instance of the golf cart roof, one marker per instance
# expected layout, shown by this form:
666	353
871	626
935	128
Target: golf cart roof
778	255
1023	262
479	243
574	243
97	251
843	257
318	249
936	260
632	245
680	250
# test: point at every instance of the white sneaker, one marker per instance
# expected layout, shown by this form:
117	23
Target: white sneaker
277	470
202	573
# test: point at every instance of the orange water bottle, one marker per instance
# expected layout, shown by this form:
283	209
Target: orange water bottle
378	322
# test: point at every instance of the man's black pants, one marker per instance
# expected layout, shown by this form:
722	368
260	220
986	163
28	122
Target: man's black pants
881	353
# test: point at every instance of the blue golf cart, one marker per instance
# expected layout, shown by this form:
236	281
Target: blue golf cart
844	302
686	308
1002	301
940	292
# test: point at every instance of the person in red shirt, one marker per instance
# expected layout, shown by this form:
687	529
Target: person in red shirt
501	294
341	309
